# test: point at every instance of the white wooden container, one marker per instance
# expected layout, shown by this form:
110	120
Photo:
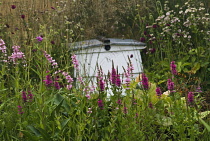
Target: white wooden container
105	51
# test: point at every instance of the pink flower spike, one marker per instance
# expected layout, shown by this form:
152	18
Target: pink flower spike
145	82
20	109
173	68
100	104
190	97
24	96
88	96
69	86
158	91
75	61
2	42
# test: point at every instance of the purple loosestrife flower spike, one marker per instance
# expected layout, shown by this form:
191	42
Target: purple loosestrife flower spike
20	111
113	76
102	84
57	85
48	81
151	105
75	62
100	104
3	49
69	80
24	96
145	82
88	96
142	39
118	81
30	95
158	91
50	59
173	68
190	97
170	85
17	54
119	102
127	82
39	38
2	42
69	86
198	89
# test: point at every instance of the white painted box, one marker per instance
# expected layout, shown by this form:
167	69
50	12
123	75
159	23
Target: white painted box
105	51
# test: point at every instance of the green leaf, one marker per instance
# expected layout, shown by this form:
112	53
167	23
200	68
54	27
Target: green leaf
196	67
204	64
66	106
179	64
2	105
186	64
205	124
58	99
44	134
64	123
30	137
193	59
34	130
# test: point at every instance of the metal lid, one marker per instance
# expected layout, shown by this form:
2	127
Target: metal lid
105	41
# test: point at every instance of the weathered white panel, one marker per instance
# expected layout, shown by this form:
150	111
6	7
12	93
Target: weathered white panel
89	58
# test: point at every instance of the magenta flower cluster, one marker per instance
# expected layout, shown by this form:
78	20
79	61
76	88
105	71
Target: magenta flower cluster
128	75
115	78
145	82
48	81
20	109
39	38
158	91
69	79
101	82
16	55
119	102
27	97
173	68
170	85
100	103
3	49
75	62
50	59
190	97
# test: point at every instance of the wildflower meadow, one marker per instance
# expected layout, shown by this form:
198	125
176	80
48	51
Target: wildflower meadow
45	97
